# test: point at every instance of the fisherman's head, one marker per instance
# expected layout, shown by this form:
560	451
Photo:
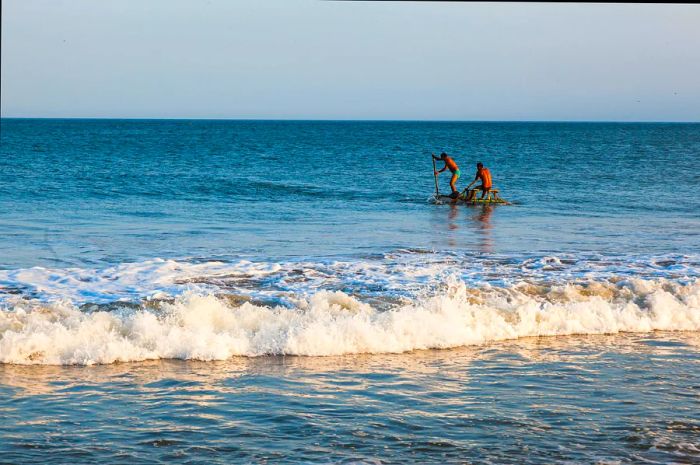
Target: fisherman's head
443	155
479	165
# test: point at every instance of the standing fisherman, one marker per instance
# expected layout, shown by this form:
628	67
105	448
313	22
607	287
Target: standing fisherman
452	166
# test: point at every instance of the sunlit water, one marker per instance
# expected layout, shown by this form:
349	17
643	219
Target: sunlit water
592	399
217	292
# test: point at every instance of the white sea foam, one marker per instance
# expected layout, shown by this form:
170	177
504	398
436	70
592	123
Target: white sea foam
203	326
156	278
402	273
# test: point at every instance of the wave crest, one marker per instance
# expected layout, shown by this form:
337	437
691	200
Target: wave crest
209	327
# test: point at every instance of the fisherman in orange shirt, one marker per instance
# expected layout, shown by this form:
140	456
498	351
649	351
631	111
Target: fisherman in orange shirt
452	166
483	174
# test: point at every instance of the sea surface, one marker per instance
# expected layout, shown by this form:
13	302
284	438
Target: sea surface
290	291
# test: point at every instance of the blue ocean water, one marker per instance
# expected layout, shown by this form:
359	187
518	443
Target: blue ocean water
285	291
76	192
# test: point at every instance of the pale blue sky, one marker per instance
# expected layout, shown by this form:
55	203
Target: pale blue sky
350	60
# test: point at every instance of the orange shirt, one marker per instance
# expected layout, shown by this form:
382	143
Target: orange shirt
485	175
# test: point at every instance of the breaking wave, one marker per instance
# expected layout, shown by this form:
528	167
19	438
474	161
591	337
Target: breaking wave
214	326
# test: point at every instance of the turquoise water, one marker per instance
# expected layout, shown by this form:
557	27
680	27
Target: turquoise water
286	291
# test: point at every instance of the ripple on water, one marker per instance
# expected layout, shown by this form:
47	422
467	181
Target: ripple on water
575	399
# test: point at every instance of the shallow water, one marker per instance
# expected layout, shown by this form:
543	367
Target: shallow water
237	291
628	398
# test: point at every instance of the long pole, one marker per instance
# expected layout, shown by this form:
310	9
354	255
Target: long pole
437	191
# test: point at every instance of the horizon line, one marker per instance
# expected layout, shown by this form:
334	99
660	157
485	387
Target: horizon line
387	120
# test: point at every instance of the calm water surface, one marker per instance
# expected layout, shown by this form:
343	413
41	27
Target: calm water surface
78	193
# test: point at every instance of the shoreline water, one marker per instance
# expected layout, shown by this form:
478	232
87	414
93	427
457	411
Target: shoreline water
574	399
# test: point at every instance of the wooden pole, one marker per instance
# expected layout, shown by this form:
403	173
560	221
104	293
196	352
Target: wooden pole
437	191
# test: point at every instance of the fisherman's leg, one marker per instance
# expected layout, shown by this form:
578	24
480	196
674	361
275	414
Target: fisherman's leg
453	182
484	191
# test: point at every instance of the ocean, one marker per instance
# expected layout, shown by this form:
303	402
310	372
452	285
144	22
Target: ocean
192	291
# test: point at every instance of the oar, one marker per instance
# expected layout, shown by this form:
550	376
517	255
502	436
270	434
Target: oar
437	191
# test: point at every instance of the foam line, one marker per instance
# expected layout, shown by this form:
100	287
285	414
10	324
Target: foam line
203	326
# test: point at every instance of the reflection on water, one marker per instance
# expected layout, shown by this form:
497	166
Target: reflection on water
452	216
452	225
626	397
482	219
467	224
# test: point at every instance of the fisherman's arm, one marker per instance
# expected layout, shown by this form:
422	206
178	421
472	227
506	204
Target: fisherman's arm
443	169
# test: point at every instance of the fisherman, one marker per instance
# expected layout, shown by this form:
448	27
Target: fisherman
452	166
483	174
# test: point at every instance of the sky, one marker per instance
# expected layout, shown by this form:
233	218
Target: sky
306	59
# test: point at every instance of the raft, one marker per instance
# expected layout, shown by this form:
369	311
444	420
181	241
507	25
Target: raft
490	198
477	201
